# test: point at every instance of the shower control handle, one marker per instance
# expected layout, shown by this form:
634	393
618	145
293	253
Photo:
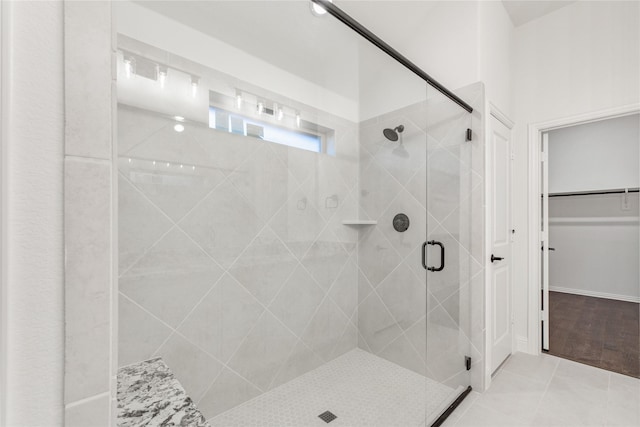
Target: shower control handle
434	243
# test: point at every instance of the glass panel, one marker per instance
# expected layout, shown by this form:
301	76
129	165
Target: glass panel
249	133
236	268
451	184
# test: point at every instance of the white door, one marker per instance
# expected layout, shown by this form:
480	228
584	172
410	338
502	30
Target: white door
500	265
544	240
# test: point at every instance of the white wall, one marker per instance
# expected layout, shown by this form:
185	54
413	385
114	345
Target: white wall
581	58
595	156
596	240
495	40
3	213
34	240
456	43
438	36
596	246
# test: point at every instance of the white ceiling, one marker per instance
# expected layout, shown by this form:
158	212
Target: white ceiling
523	11
320	49
283	33
286	34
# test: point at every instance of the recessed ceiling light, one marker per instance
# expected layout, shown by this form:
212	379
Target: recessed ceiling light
178	128
318	10
194	85
179	118
162	75
129	65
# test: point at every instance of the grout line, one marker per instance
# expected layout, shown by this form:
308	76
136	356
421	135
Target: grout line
145	310
144	138
146	251
546	390
88	159
88	399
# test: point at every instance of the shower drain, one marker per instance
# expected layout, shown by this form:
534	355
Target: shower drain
327	417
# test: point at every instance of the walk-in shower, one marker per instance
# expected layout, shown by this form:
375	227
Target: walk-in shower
265	154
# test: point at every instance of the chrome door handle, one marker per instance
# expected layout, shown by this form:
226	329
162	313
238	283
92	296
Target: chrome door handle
496	258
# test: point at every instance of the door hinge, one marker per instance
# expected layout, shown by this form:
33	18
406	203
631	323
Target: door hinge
513	156
467	362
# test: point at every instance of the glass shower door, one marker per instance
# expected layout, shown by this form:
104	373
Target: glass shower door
450	185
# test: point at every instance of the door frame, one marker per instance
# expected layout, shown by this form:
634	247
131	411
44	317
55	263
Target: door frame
4	136
496	113
535	131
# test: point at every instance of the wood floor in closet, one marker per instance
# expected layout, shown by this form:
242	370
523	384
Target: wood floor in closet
599	332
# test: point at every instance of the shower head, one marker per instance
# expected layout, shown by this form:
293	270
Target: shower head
392	134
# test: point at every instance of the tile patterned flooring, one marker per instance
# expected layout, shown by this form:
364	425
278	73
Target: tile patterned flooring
358	387
597	331
365	390
547	391
528	391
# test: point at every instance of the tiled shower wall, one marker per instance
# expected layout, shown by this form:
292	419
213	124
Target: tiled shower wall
89	215
391	311
234	265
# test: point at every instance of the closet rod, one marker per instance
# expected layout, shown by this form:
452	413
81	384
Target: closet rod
590	193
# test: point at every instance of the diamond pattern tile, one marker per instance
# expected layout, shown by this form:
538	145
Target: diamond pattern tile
140	224
228	390
135	126
139	333
405	242
376	256
376	324
404	296
298	223
176	188
263	180
344	291
444	171
326	187
223	319
325	329
377	189
223	224
265	266
297	300
196	369
325	258
263	351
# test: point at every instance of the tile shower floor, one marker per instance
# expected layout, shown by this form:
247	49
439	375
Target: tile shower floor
359	388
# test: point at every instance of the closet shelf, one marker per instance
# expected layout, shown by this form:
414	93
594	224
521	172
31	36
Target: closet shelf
596	192
359	222
596	220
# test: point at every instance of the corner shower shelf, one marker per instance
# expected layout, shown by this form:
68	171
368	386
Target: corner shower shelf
359	222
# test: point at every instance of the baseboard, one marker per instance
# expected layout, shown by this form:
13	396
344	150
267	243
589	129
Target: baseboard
522	344
594	294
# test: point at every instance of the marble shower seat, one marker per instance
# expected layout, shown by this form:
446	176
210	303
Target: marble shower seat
150	395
